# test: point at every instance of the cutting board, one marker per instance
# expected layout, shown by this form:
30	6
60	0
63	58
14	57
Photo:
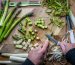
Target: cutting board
39	12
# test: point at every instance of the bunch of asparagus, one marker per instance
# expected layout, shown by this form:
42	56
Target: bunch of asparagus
57	9
9	20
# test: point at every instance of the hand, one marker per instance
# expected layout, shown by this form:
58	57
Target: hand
37	54
66	46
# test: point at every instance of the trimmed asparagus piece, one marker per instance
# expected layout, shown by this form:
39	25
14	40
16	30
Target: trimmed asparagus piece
5	12
41	24
19	46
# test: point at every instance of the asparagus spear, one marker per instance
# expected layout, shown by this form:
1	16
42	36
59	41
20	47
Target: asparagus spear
7	19
0	3
9	24
16	22
5	12
0	14
2	8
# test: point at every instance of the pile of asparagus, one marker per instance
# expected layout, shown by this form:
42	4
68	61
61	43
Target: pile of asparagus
57	9
9	19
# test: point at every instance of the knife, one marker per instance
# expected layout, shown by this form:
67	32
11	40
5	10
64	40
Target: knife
72	18
52	39
70	29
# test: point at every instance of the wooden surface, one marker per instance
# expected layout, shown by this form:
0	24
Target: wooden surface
39	12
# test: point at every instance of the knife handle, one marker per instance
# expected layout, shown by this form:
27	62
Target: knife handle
72	37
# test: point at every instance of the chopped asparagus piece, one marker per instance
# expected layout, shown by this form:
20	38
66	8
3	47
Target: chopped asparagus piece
20	41
18	46
37	38
35	31
41	24
30	23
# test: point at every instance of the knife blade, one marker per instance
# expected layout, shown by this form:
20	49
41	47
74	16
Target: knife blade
69	22
70	29
52	39
72	17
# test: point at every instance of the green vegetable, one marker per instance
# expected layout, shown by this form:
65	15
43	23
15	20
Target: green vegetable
5	12
27	31
9	24
41	24
22	31
3	3
18	46
16	22
60	7
7	19
56	9
30	23
28	34
45	27
16	37
1	12
33	33
19	41
57	21
28	19
2	9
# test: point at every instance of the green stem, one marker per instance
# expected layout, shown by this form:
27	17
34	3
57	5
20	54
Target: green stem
15	23
5	12
7	19
9	24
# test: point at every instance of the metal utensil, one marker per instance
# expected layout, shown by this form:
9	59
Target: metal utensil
72	17
52	39
70	29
